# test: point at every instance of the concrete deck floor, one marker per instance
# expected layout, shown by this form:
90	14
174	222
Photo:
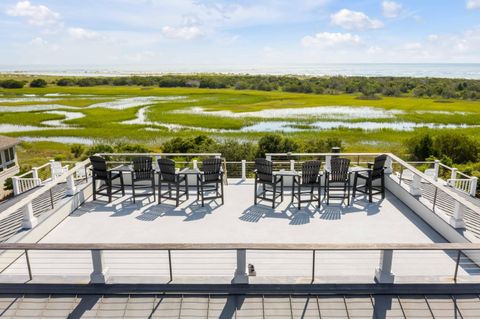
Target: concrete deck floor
239	221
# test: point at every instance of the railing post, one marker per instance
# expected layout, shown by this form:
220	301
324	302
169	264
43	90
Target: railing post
388	165
292	165
52	169
268	157
29	266
383	274
244	170
415	186
473	186
195	164
35	172
29	220
453	175
458	220
436	169
100	272
241	276
328	158
16	185
71	188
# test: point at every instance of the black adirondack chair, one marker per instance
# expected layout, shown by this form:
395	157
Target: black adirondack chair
307	182
376	172
270	182
101	173
169	177
338	179
210	179
143	171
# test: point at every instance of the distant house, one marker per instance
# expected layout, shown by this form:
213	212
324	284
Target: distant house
8	160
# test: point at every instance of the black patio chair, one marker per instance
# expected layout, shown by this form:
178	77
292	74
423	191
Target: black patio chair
101	173
375	172
210	179
309	180
338	179
143	171
168	176
264	176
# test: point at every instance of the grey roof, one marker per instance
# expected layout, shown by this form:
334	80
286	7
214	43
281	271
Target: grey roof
7	141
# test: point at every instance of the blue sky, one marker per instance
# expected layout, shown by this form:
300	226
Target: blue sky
242	32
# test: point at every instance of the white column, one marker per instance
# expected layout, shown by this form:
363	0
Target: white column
241	276
244	170
388	165
35	172
457	220
268	157
52	169
328	158
383	274
454	173
100	272
195	164
473	186
292	165
415	186
29	220
436	169
16	185
71	188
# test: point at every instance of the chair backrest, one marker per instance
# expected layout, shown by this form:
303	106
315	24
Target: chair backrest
264	169
379	166
339	169
99	167
211	169
310	170
167	169
142	167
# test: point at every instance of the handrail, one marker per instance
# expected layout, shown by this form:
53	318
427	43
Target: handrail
48	186
437	184
235	246
160	154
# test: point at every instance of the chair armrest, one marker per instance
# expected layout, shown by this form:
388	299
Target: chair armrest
370	164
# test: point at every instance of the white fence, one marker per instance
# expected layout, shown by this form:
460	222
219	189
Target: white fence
38	176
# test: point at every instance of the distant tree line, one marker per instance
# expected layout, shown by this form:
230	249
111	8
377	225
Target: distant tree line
369	87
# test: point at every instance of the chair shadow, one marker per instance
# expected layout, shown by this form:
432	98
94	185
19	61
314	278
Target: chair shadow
331	213
301	217
194	211
254	213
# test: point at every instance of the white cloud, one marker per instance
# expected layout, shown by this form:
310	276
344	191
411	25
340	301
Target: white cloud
391	9
473	4
82	34
38	15
184	33
349	20
328	39
38	41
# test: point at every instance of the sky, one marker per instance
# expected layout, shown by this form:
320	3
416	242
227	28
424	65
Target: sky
240	32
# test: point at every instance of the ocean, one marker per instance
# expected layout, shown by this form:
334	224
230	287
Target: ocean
437	70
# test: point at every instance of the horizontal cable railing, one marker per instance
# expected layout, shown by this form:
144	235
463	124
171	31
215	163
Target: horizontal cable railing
242	260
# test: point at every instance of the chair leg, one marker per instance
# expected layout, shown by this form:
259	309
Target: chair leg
281	188
355	181
299	197
370	186
159	192
274	194
319	193
153	188
133	190
109	192
94	188
198	188
177	198
221	188
348	192
202	195
255	193
383	186
186	186
327	191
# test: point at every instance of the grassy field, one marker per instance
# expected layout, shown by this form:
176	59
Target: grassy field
164	121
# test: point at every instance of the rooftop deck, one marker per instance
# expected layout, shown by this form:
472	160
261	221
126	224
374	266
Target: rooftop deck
407	237
239	221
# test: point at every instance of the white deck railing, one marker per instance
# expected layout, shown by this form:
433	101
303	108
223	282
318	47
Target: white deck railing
37	176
